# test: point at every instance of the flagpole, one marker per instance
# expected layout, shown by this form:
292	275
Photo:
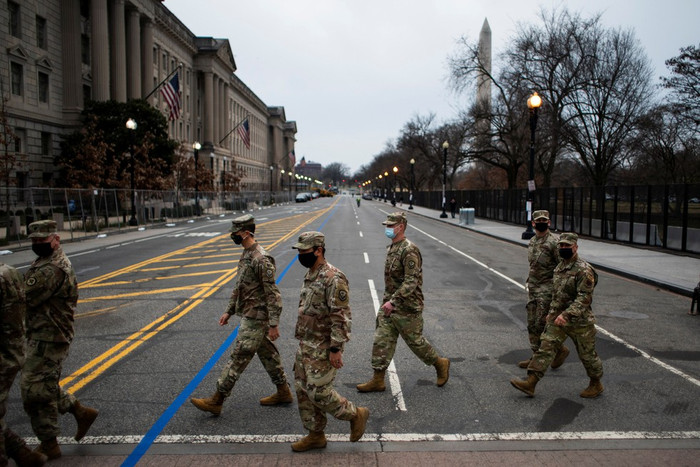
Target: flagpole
164	80
235	126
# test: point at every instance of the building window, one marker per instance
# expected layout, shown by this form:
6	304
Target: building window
41	32
22	184
155	55
45	143
165	61
17	72
43	88
85	49
15	24
87	94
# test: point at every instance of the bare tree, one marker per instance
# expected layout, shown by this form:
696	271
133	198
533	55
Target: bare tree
602	113
684	82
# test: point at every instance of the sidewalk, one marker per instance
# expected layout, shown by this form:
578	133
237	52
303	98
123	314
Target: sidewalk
665	269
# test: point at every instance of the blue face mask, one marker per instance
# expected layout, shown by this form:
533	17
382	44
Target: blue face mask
389	232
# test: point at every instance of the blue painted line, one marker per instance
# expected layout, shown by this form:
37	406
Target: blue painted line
170	412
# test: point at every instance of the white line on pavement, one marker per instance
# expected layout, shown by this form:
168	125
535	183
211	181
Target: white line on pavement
360	233
612	336
386	437
366	257
394	382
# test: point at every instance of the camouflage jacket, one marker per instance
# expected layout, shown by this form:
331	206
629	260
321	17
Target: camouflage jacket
324	309
574	281
543	256
52	297
403	276
256	295
12	309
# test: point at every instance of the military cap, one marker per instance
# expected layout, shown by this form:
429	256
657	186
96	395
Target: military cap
542	214
240	223
568	238
395	218
42	229
309	240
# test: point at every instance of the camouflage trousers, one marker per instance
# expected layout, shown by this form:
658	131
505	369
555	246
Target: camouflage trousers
42	397
410	327
8	440
554	336
537	310
313	381
252	339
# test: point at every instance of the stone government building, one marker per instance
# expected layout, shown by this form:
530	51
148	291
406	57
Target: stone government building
57	54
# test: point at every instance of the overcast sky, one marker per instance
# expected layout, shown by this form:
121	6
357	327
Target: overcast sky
351	73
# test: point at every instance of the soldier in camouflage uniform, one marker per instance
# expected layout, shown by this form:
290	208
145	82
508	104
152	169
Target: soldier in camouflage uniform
543	256
569	315
52	296
257	300
402	311
323	328
12	314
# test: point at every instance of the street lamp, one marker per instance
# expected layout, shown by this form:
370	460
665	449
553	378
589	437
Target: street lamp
223	180
131	125
445	145
386	191
271	169
413	181
533	103
393	198
196	146
290	181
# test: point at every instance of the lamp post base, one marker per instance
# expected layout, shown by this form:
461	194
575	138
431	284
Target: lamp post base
528	234
410	206
443	215
133	221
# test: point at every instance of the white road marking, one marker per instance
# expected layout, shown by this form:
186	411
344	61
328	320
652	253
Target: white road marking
612	336
360	233
394	382
386	437
366	258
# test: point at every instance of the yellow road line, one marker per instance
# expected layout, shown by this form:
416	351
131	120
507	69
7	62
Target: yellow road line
100	364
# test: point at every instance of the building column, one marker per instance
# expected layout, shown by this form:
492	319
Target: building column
208	108
133	56
100	49
215	110
147	58
72	74
222	110
118	68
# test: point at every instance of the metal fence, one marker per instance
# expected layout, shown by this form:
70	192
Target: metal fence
85	213
666	216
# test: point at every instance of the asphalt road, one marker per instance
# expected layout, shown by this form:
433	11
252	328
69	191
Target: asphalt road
147	338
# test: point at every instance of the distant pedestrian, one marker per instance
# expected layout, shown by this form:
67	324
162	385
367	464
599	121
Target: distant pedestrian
402	311
323	328
696	300
453	207
543	257
257	300
570	315
52	296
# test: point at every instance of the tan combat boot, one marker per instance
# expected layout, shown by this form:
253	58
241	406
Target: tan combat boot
376	384
213	404
595	387
358	424
282	396
314	440
85	417
25	457
524	363
526	385
560	357
49	448
442	366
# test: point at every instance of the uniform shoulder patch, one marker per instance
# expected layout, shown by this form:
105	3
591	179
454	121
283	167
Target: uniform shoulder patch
31	281
342	295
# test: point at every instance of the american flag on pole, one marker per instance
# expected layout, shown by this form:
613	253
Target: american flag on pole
171	94
292	157
244	132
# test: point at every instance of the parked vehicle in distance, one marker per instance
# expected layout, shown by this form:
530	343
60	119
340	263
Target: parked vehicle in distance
367	196
301	198
315	195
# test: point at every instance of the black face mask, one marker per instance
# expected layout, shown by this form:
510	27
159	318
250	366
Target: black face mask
42	249
307	259
237	239
541	226
566	253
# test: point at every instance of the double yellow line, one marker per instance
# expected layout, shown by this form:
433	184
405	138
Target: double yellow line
100	364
